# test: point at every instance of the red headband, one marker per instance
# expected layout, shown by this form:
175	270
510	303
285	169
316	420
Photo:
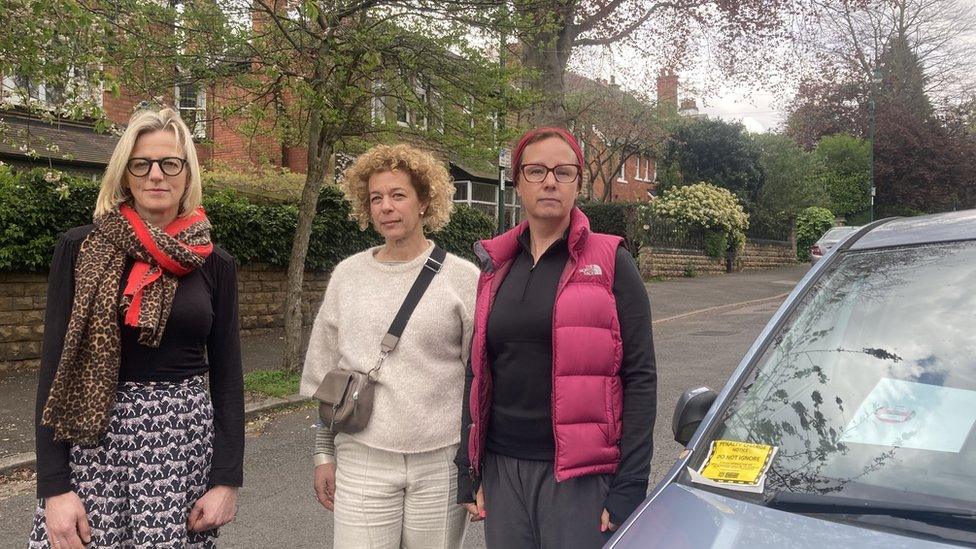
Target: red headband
531	134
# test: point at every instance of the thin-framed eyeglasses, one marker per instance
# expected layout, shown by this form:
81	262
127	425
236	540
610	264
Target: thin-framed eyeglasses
170	165
536	173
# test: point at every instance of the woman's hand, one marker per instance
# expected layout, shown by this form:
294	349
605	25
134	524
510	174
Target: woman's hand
66	521
324	484
605	524
477	509
214	509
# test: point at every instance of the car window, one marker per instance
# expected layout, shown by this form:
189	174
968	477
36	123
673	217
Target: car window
869	389
837	233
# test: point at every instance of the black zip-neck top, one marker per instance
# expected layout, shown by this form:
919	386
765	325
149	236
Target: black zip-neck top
202	336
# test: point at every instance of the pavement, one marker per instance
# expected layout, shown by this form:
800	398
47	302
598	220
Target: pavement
702	328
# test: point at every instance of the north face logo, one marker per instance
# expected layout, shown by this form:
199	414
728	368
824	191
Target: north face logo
591	270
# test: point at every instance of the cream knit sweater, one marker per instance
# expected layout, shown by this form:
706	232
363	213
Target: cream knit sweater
417	406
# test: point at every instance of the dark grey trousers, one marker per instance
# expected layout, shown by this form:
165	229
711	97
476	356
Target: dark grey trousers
527	509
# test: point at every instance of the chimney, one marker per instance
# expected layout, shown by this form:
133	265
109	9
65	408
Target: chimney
667	89
689	107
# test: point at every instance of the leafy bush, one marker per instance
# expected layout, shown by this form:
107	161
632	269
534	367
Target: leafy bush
767	225
845	171
616	218
811	224
716	244
37	206
702	206
467	225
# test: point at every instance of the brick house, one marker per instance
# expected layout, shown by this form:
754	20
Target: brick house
27	140
636	178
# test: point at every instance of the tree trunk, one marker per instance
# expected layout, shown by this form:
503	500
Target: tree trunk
607	188
792	236
319	152
545	53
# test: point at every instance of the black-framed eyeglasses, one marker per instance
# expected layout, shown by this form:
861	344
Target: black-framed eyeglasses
536	173
170	165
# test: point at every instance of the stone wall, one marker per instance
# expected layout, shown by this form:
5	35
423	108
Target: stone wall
22	300
763	255
261	296
677	262
681	262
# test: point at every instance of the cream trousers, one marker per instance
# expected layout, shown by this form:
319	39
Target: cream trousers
389	500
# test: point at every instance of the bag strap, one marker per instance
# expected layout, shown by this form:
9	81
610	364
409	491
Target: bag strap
431	267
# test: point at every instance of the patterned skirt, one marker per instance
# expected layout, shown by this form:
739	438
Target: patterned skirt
139	484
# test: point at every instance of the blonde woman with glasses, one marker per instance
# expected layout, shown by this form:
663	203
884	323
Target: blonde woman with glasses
140	407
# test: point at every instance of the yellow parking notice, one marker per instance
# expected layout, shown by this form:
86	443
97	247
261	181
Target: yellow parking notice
736	462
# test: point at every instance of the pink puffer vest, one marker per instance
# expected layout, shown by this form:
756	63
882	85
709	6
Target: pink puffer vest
587	397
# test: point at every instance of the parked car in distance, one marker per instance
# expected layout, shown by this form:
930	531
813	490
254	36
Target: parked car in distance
828	241
851	421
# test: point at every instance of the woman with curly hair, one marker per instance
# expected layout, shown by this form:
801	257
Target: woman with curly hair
393	484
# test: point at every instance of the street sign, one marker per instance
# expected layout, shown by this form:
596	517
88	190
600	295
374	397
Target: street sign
505	158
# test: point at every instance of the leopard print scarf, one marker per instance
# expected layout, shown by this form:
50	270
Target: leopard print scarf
83	392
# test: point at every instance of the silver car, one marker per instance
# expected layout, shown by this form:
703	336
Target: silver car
859	397
828	241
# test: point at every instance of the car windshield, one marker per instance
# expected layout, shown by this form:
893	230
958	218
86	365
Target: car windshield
869	389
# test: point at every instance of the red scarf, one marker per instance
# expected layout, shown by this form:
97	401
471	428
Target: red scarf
145	273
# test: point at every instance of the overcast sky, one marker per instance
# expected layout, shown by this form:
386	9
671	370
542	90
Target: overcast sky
759	111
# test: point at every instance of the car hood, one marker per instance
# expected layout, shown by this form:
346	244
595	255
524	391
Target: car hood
683	517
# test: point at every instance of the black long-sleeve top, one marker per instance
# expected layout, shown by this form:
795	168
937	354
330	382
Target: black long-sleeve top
519	337
202	335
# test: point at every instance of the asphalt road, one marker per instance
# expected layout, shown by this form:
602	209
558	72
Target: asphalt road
278	509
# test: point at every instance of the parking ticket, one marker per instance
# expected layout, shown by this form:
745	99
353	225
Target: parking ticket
735	465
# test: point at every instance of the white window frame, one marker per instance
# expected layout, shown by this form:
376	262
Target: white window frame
642	167
513	208
622	176
199	127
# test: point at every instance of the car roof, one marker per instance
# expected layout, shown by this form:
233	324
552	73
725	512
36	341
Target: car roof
904	231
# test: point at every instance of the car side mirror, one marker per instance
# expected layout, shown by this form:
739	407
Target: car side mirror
692	408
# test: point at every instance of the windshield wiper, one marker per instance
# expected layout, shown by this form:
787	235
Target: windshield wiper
818	503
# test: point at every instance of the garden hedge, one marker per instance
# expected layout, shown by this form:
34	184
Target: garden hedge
811	224
37	206
617	218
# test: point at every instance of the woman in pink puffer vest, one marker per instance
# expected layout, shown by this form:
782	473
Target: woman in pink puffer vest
560	394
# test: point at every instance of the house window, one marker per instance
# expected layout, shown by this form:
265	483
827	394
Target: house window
643	167
402	113
420	114
377	107
19	89
191	101
622	176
